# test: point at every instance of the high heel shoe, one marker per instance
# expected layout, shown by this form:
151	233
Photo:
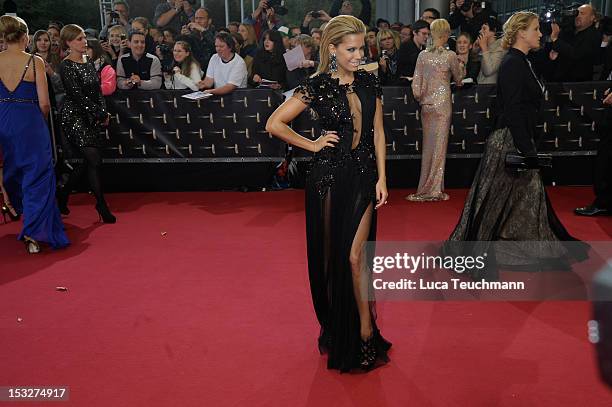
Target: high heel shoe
105	214
367	353
7	209
32	246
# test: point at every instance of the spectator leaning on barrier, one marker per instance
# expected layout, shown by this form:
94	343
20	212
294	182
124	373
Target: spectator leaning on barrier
465	55
226	70
576	53
269	62
345	7
137	69
200	34
388	44
408	53
491	53
172	14
308	66
120	15
186	73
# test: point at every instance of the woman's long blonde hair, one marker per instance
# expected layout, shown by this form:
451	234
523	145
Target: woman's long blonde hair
335	30
517	22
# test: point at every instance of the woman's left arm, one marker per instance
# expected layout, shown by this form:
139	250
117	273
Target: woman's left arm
380	148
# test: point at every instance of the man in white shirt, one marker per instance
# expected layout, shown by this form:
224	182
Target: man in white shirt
226	70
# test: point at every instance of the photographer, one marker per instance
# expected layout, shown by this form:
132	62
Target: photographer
120	15
137	69
201	37
345	7
388	43
576	53
265	16
311	16
164	49
469	16
116	45
173	14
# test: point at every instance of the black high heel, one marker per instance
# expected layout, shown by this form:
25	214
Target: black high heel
105	214
32	246
367	353
10	211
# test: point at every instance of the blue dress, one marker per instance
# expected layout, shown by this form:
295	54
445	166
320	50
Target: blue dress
29	178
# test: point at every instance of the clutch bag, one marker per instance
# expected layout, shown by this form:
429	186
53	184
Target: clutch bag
518	161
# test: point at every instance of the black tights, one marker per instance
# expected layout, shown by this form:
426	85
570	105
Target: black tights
92	161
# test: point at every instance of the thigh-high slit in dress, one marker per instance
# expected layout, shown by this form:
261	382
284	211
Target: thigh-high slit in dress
340	199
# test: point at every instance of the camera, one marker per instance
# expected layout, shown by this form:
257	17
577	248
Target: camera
164	48
278	6
315	14
560	14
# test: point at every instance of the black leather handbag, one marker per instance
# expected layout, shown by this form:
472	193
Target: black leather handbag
517	161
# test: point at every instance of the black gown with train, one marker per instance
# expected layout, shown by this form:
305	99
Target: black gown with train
340	195
506	205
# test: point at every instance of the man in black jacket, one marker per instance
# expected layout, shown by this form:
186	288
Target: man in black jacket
409	52
579	51
200	34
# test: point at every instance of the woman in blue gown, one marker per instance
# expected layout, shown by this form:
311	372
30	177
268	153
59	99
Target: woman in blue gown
29	178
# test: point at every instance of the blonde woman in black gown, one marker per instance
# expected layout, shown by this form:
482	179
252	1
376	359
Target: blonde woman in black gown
345	187
506	205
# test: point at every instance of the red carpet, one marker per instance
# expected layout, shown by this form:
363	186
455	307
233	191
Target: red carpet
202	299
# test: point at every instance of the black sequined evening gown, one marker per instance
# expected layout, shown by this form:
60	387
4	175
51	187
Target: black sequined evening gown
340	193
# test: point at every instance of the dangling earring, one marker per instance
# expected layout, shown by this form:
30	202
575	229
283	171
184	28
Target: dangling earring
333	64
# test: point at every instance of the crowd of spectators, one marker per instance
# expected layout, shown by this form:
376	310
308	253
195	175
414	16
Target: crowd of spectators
182	48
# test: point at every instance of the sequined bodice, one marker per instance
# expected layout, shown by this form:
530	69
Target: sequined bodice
349	110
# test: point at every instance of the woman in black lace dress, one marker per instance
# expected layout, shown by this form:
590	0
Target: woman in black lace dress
345	186
83	115
506	205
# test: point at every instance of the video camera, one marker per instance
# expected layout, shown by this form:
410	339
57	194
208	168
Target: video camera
560	14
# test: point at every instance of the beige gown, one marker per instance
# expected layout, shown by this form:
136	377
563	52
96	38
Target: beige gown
431	88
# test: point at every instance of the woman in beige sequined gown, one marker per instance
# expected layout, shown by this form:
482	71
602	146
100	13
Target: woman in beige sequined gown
431	88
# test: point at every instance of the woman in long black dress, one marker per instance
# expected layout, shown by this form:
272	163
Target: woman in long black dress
83	115
345	186
506	205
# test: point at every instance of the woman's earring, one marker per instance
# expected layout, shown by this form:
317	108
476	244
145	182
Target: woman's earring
333	64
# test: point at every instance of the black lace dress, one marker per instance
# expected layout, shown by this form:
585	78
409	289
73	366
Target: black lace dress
340	193
508	207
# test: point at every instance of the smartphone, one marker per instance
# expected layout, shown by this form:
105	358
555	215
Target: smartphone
123	37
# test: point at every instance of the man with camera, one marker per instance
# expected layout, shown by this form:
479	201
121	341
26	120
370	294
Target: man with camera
345	7
173	14
265	17
576	53
469	16
119	15
311	16
200	34
138	69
